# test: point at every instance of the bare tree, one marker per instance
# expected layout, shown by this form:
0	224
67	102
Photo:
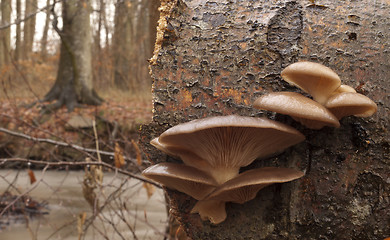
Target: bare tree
18	40
29	28
5	34
73	85
45	31
133	42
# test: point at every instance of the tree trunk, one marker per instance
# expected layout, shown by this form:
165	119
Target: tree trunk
18	41
131	43
45	32
29	28
216	57
5	34
74	77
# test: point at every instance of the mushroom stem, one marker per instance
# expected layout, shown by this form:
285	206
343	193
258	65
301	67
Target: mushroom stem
222	174
213	210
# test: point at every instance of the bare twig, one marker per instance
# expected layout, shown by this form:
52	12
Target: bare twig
63	163
18	21
62	144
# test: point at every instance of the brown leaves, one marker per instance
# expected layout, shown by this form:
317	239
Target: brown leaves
31	176
150	189
118	156
137	151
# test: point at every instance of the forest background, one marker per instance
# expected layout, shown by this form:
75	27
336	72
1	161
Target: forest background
75	88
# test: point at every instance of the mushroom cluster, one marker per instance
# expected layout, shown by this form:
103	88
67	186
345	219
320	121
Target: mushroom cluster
213	150
332	100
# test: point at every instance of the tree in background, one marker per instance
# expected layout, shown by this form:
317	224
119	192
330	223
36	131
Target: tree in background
18	40
45	32
29	27
5	33
73	85
133	41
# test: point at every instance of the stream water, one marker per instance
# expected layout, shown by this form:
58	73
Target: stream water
129	214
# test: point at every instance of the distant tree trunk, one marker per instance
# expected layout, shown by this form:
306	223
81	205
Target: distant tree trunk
122	41
5	33
216	57
73	85
132	44
29	27
45	32
18	41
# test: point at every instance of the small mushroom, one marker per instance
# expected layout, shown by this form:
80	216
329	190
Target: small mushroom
241	189
182	178
314	78
221	145
349	103
304	110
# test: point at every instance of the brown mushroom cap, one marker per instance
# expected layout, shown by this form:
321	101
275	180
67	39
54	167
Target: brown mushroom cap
212	210
344	88
349	103
306	111
182	178
180	152
245	186
241	189
313	78
227	143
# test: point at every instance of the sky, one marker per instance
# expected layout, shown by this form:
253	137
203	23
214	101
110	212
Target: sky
52	35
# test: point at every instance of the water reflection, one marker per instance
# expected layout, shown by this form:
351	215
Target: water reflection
127	212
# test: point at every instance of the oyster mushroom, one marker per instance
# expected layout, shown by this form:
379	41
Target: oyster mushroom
304	110
314	78
219	146
241	189
349	103
344	88
182	178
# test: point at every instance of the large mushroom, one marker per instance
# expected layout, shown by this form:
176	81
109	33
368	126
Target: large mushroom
241	189
304	110
182	178
350	103
314	78
219	146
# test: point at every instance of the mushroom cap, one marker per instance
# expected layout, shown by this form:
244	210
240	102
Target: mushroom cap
314	78
182	178
175	151
245	186
210	209
228	141
349	103
344	88
310	113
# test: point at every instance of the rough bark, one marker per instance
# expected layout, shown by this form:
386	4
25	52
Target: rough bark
73	85
5	34
216	57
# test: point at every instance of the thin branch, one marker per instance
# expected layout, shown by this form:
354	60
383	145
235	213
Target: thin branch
63	163
62	144
18	21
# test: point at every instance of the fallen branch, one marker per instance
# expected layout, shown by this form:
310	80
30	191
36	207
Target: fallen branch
63	163
62	144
